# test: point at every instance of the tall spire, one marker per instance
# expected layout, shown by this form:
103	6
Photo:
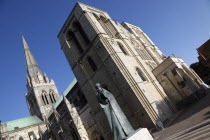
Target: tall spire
31	64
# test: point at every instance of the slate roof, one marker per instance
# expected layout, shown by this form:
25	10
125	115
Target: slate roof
23	122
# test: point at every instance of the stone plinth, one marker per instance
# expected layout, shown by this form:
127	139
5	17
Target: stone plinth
140	134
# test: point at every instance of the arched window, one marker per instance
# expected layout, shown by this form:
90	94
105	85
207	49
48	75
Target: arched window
92	63
52	101
53	96
140	74
70	36
122	48
43	99
47	102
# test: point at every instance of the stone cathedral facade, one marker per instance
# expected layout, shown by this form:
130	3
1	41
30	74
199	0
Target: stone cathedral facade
148	86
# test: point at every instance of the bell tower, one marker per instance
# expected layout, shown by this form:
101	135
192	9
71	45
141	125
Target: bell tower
42	92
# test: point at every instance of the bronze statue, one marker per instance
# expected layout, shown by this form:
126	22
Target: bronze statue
118	122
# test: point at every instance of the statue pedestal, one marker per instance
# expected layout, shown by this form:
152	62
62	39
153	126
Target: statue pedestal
140	134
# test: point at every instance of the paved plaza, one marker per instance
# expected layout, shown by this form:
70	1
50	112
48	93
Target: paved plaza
191	123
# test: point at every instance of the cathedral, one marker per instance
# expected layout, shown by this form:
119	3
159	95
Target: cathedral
147	85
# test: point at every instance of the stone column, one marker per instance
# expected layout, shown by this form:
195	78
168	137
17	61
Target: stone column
76	119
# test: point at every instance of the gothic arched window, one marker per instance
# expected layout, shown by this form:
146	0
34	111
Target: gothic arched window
52	101
139	72
122	48
70	36
52	96
43	99
47	102
92	63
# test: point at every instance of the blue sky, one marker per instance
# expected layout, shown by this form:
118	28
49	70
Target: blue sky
175	26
